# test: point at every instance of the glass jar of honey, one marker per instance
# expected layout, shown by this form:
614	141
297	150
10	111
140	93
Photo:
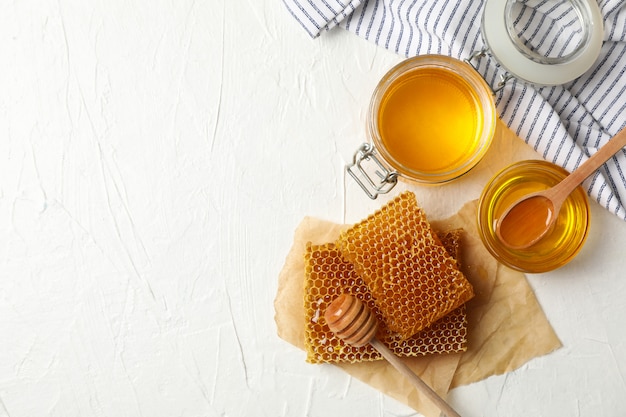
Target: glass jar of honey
431	119
561	244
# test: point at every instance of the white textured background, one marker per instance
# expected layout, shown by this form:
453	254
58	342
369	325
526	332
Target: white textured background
156	157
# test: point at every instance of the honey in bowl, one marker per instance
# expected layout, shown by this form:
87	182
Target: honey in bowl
563	241
432	118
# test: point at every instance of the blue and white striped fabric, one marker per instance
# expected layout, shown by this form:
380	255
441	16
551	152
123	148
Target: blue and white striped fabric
565	124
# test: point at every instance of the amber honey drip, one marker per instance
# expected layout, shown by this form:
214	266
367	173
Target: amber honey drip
409	273
430	120
328	275
527	222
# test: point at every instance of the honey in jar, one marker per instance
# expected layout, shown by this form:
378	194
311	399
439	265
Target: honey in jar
432	118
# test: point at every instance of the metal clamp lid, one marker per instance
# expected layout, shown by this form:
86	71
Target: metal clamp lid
362	172
504	78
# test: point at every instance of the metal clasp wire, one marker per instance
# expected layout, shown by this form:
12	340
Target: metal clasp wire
475	56
387	179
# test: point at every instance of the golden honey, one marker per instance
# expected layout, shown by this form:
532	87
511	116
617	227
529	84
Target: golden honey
432	118
526	222
561	244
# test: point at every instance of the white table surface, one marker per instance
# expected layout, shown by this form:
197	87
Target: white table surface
157	157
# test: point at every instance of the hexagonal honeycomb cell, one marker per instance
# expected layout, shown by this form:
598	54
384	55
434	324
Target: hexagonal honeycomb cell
328	275
412	278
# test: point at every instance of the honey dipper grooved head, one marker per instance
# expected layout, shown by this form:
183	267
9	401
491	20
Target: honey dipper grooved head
351	320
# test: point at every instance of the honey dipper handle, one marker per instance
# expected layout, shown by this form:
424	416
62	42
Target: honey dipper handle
417	382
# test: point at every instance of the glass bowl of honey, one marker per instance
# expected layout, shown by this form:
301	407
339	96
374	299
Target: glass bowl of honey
561	244
431	119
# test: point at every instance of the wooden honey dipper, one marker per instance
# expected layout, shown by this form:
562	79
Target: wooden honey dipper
356	325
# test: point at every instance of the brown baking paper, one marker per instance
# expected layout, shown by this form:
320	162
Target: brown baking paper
502	317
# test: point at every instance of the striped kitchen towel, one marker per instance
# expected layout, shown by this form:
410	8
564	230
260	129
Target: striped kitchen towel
565	123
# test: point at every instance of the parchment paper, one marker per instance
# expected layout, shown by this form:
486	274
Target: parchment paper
501	318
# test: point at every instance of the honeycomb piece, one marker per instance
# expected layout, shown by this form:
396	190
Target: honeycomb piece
446	335
451	240
411	276
328	275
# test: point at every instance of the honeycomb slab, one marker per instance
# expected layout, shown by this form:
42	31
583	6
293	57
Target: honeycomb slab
412	279
328	275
